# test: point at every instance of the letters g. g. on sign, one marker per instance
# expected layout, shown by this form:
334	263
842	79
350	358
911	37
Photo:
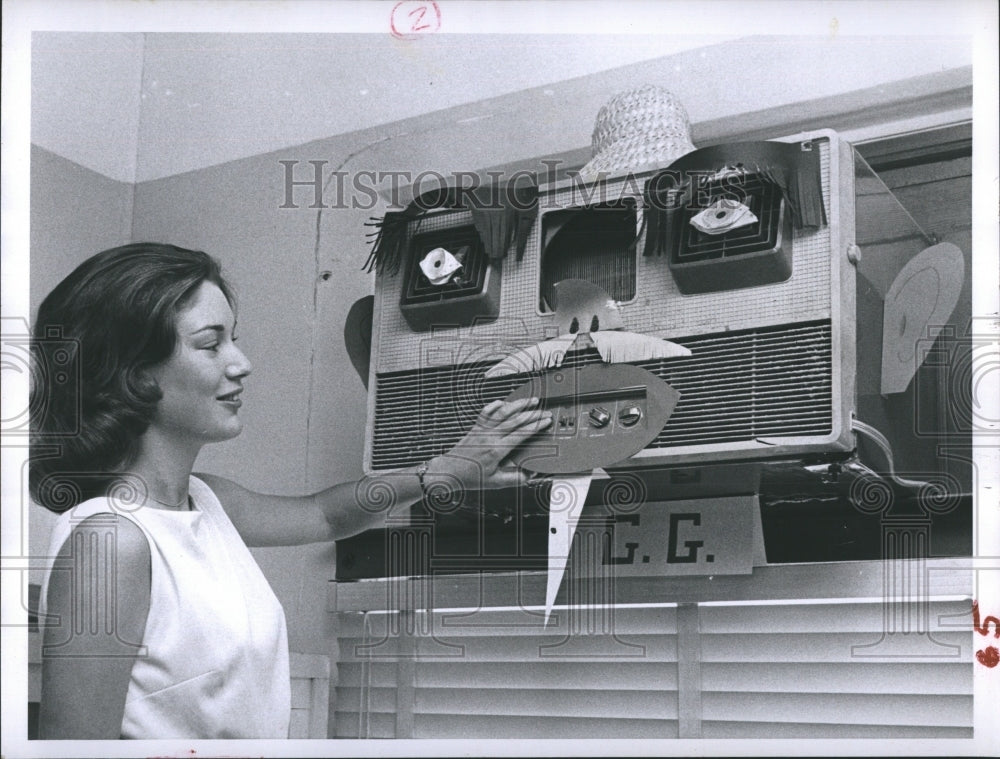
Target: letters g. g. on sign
708	536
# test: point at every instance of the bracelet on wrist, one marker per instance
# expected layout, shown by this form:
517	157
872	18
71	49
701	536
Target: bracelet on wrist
441	491
421	474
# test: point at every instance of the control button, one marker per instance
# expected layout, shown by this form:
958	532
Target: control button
630	415
599	417
567	423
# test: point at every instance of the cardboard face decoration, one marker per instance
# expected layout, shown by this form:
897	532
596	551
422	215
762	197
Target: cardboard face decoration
584	307
585	317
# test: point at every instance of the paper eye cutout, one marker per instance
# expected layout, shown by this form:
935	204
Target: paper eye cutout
439	265
723	216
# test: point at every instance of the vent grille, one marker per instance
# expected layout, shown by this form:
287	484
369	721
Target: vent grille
596	244
764	200
735	386
462	242
756	254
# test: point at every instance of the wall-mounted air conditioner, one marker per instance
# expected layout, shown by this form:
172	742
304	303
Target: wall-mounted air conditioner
783	315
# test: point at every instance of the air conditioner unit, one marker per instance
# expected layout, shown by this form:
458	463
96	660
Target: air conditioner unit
783	322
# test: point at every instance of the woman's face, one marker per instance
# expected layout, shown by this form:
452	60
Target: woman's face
203	378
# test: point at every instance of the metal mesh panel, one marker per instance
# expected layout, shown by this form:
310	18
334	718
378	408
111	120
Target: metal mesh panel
596	244
734	387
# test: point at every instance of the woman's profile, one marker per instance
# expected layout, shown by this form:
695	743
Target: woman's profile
159	622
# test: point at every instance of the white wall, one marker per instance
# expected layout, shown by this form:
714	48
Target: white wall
75	212
86	99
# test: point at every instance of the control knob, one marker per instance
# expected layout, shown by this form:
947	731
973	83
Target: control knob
629	416
599	417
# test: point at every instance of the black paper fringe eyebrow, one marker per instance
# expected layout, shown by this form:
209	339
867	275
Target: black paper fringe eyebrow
501	214
793	167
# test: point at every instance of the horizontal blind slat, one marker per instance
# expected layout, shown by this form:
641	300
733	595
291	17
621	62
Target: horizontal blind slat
846	678
489	727
642	648
814	731
568	674
485	622
623	621
607	675
378	674
828	618
546	703
825	708
829	647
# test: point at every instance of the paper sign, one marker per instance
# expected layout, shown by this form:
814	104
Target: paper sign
693	537
705	536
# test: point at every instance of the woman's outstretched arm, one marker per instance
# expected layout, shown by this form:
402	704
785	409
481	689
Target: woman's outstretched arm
476	463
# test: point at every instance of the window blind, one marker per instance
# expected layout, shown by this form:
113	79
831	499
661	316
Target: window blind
500	673
711	670
796	670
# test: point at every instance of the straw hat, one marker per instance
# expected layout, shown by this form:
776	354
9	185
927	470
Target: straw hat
639	129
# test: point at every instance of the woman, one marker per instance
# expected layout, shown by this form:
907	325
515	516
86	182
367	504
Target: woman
160	624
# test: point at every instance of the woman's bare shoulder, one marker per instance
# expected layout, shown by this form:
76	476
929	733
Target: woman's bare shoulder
104	576
106	531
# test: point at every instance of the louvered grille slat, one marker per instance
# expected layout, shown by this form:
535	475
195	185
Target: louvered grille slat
734	387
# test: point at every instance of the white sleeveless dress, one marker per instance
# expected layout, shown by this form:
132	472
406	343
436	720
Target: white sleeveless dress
216	648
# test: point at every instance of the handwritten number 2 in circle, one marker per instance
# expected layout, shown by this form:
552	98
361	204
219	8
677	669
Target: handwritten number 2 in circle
417	17
414	18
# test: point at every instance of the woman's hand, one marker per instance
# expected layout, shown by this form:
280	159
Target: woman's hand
477	461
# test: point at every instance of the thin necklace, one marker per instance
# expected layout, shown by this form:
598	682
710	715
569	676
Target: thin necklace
172	506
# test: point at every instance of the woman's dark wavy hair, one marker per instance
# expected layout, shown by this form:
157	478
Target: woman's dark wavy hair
94	337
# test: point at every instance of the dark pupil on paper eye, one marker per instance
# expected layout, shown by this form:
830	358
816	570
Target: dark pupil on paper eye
595	324
574	326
